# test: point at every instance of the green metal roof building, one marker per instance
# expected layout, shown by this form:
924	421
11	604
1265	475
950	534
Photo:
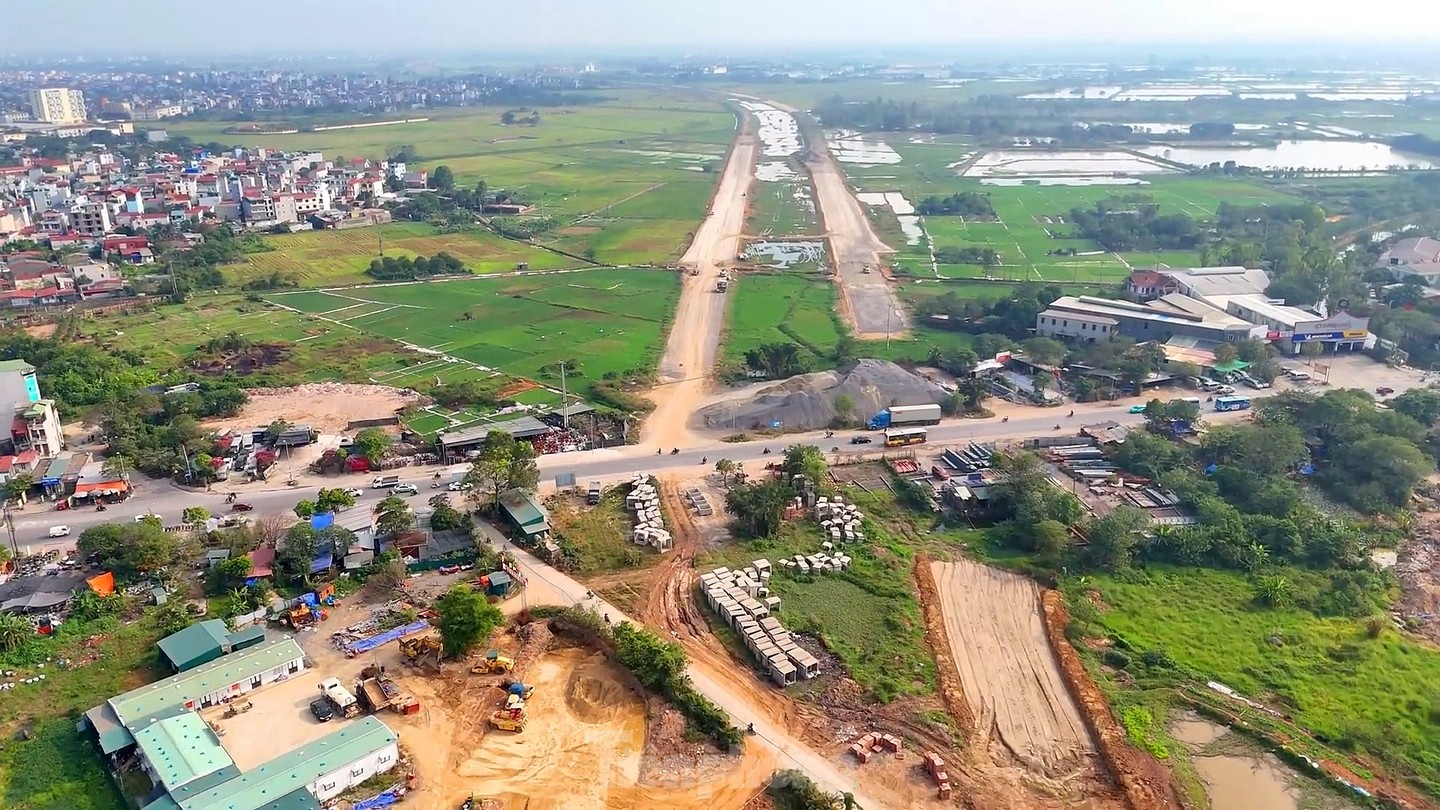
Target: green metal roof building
188	765
528	515
200	643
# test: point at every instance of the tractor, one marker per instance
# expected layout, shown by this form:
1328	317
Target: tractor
494	664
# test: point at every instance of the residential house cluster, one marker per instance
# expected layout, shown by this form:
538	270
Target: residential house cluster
89	201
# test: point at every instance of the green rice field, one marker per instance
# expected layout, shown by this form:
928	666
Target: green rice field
596	322
781	308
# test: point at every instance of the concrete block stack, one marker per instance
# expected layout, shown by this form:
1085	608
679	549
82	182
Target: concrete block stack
737	596
821	562
936	766
644	504
877	743
840	521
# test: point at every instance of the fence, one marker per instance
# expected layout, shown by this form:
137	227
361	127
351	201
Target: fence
439	562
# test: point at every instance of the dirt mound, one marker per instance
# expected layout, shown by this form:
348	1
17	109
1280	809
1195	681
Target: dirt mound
242	361
595	699
807	402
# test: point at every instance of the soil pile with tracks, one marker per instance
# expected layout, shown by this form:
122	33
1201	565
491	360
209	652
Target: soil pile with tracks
807	402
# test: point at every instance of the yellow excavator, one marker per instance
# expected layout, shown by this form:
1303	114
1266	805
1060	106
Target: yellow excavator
493	664
422	651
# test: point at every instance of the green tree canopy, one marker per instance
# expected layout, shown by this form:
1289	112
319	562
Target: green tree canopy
466	620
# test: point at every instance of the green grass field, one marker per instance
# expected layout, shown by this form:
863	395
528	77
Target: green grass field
779	308
596	321
781	208
329	258
1357	693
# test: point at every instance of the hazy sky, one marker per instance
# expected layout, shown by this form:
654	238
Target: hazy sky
708	26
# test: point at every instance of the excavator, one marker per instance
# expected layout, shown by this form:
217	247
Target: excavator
422	651
493	664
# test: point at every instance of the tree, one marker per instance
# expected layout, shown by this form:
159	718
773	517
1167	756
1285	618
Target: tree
807	460
1274	590
193	515
276	428
1113	538
297	553
725	467
333	500
1310	350
15	632
466	620
1420	404
758	508
845	408
779	359
1045	351
1041	382
1051	539
393	515
442	179
1225	353
131	550
305	509
372	443
444	516
504	463
232	572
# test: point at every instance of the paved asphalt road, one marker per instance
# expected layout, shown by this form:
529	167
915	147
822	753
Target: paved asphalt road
33	523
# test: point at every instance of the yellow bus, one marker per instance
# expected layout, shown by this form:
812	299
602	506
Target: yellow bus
901	437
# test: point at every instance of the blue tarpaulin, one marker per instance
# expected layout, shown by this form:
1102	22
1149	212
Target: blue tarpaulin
324	520
311	599
322	563
368	644
385	799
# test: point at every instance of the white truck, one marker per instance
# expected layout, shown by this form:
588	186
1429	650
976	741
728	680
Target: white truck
385	481
905	416
344	702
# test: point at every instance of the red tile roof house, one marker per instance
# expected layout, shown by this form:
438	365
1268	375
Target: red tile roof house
1149	284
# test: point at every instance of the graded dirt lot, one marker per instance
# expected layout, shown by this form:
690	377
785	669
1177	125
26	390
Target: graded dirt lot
1009	673
280	721
328	407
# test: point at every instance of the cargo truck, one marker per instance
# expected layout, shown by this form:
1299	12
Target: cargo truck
345	702
905	416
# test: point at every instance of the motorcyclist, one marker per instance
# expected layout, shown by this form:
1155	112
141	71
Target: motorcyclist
704	460
674	451
765	452
1004	419
1072	413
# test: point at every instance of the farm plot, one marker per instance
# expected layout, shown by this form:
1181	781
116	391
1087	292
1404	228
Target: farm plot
781	308
1008	671
320	258
596	322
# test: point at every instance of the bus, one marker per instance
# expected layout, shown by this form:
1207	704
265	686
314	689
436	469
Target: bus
901	437
1232	403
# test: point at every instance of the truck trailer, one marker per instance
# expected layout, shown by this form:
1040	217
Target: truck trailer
905	416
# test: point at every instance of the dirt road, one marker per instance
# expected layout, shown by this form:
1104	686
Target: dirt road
700	315
868	300
1009	672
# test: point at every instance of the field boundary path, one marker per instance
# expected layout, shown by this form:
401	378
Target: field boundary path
790	750
694	338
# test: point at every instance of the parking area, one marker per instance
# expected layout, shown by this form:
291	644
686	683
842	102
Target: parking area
1357	371
279	722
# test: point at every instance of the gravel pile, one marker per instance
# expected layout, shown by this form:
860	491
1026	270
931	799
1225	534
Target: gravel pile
807	402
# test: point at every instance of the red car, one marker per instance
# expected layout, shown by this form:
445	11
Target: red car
1384	391
240	507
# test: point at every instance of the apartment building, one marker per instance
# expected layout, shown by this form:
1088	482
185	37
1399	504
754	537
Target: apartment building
57	105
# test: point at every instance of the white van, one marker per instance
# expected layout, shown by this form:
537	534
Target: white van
385	481
59	531
1297	376
1191	400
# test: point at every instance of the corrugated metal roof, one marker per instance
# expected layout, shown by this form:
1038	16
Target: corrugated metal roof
138	704
182	749
196	641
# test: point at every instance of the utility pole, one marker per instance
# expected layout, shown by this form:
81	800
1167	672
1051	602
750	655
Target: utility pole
10	526
564	400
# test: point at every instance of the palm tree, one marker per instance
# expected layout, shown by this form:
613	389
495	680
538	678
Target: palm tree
725	467
1274	591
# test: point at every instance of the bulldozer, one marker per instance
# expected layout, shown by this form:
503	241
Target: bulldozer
493	664
421	651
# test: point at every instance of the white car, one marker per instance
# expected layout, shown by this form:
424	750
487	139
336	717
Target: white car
405	489
141	518
59	531
355	492
460	486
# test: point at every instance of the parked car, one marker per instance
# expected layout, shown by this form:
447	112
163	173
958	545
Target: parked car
322	710
241	507
355	492
144	516
405	489
59	531
860	440
1384	390
460	486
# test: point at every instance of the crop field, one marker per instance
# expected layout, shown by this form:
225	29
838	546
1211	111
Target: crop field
642	165
320	258
596	322
781	308
171	336
1361	694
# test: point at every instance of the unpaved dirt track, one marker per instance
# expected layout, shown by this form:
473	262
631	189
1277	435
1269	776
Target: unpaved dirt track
700	315
1009	672
868	300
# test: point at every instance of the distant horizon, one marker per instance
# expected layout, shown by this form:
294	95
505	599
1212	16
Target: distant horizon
667	27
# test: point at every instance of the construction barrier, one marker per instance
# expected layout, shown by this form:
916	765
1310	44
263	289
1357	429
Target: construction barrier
371	642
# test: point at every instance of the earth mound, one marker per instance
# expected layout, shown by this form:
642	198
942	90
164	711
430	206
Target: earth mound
807	401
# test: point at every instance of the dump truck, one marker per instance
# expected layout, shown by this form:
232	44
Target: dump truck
493	664
905	416
512	717
376	692
344	702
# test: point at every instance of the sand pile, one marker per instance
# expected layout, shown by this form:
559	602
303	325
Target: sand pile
807	402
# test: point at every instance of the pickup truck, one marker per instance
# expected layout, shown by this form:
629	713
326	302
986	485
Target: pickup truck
385	481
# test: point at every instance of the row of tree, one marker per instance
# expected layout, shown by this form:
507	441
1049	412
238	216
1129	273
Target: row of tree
964	204
405	268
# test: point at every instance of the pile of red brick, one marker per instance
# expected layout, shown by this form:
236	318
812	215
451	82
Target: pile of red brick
936	766
875	743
